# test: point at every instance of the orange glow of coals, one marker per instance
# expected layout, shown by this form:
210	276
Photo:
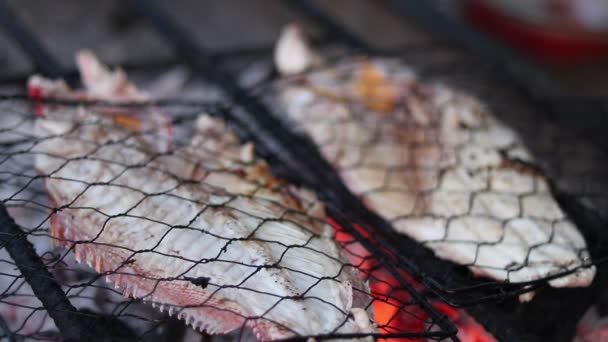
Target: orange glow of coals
468	329
389	312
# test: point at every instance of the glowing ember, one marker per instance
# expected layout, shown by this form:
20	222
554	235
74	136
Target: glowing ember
468	329
394	310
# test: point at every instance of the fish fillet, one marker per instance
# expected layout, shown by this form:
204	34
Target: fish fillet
201	230
436	165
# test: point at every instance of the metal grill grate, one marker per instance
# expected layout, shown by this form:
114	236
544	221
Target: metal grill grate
297	160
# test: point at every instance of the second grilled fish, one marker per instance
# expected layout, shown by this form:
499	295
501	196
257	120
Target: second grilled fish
434	163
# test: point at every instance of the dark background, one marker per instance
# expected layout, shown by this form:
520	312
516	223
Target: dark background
110	29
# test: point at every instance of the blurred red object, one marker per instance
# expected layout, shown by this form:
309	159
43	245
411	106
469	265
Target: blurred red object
592	327
558	31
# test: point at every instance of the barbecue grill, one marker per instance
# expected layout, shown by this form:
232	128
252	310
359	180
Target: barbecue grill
414	295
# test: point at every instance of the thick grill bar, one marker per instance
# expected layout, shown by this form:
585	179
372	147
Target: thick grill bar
72	323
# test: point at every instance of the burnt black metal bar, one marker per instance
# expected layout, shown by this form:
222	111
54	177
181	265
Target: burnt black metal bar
73	324
530	80
43	61
330	26
297	152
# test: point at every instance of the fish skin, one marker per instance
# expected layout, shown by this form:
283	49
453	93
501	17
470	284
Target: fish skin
153	217
438	166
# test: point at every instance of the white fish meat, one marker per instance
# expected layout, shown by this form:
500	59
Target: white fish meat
436	165
202	231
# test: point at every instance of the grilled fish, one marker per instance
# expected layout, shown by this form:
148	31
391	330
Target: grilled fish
434	163
202	229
